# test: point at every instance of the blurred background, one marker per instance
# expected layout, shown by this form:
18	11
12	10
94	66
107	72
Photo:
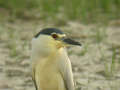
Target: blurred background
95	23
84	11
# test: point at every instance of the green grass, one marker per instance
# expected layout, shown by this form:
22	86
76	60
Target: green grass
100	35
113	61
78	10
109	63
110	67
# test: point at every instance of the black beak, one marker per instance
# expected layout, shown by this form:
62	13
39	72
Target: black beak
72	42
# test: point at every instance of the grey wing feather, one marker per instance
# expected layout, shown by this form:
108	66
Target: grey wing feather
66	71
35	84
33	78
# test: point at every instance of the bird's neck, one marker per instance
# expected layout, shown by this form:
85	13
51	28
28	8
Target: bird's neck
37	56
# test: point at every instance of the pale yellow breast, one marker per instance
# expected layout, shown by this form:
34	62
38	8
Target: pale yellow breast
47	75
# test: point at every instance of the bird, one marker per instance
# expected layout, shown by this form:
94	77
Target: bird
51	66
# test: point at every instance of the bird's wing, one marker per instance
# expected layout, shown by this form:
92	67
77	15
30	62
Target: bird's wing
33	78
66	71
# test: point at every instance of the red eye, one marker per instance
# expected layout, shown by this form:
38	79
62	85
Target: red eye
55	36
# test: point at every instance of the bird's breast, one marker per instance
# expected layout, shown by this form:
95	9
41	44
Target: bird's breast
48	76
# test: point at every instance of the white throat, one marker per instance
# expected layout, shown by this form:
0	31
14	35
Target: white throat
43	46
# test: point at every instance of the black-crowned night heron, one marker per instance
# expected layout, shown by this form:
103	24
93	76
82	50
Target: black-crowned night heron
51	67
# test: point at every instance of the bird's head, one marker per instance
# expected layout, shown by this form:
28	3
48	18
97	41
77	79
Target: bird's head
52	39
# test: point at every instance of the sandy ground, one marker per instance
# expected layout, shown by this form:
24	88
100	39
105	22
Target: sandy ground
95	65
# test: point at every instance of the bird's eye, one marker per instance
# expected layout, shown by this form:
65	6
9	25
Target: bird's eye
54	35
